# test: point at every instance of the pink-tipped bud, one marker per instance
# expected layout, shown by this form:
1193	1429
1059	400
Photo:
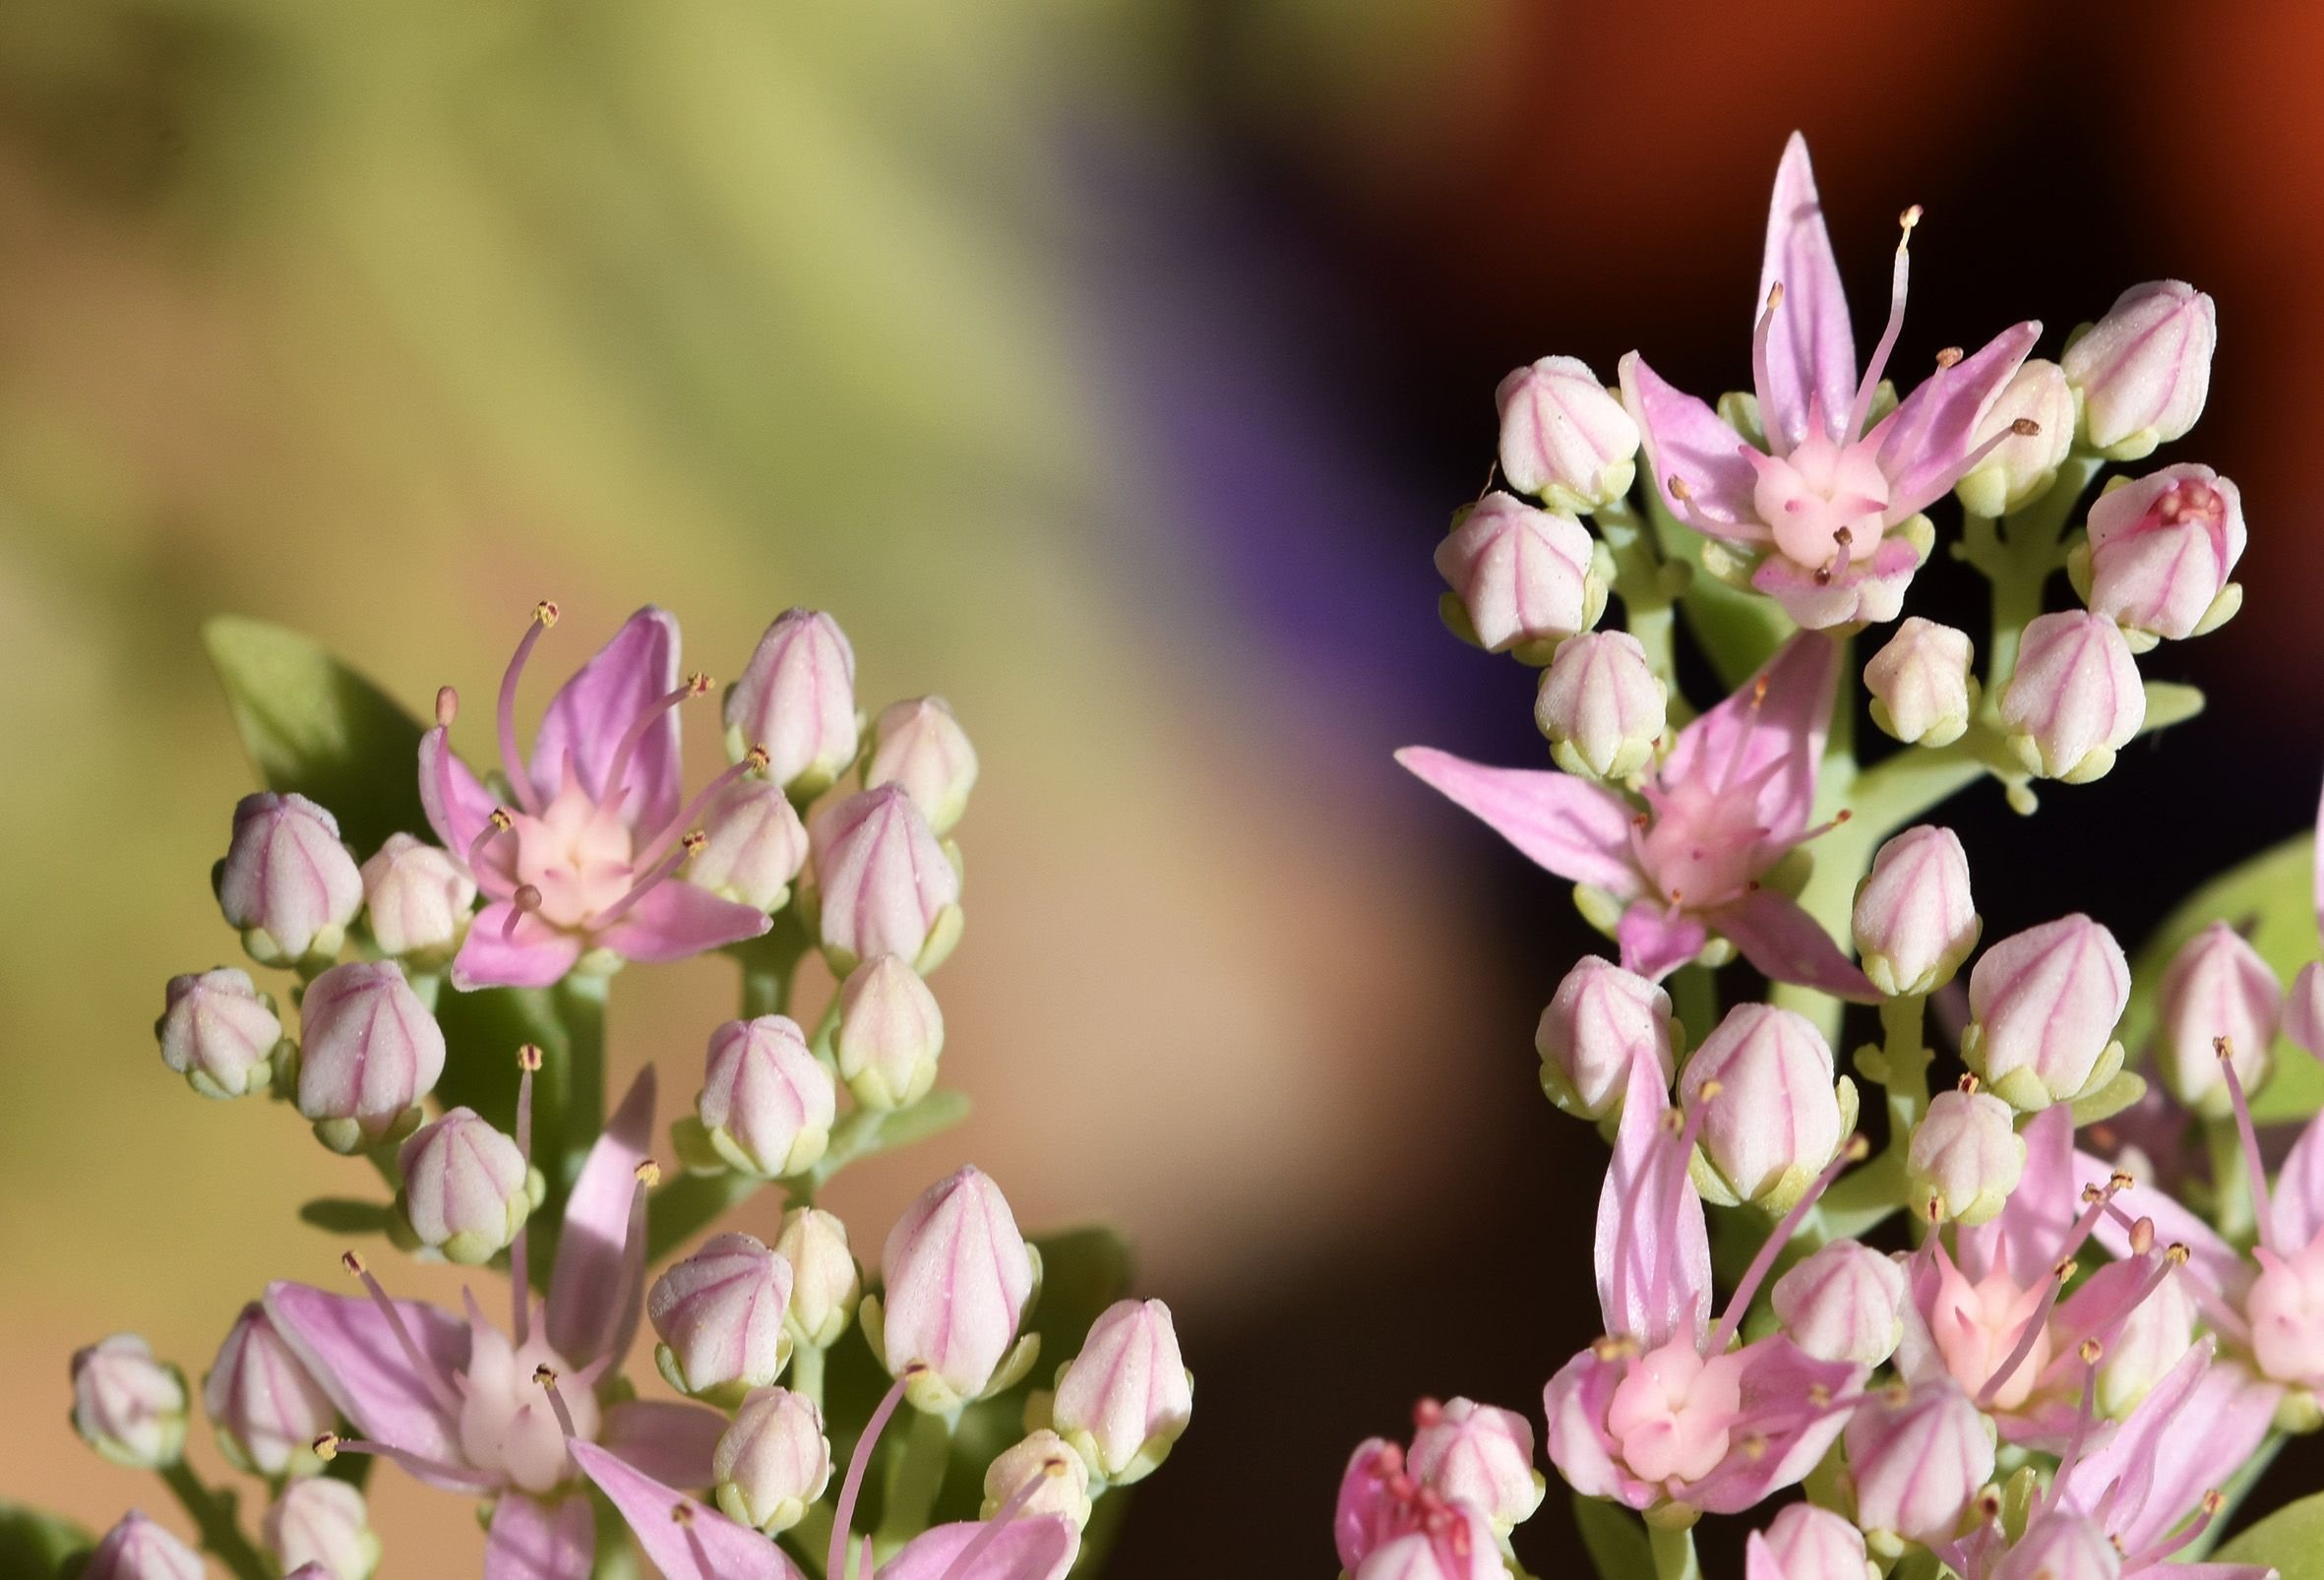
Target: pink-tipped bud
2144	371
891	1034
1058	1479
128	1406
368	1052
1602	705
322	1522
467	1190
288	881
2063	1546
2155	1337
266	1407
2044	1004
1914	920
720	1316
1919	1458
417	900
1481	1455
1965	1158
2304	1009
1844	1302
139	1550
1564	438
920	744
1815	1543
773	1461
958	1278
825	1283
220	1032
1127	1396
2285	1307
1601	1019
1520	578
2075	699
766	1103
2162	549
797	699
752	845
2217	986
886	885
1922	690
1776	1116
2022	466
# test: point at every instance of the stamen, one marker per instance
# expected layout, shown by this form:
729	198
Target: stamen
2092	1352
1949	357
2207	1511
499	824
695	685
2100	1202
447	706
2021	428
1855	1150
1777	443
331	1445
1968	1085
963	1564
2142	1237
2028	1335
859	1462
545	1377
696	810
437	1383
522	904
2225	1047
1901	275
648	1173
649	883
544	614
529	1061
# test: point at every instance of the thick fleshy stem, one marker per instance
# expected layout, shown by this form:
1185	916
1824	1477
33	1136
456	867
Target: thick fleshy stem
2028	1335
843	1515
1898	280
1854	1150
213	1514
967	1556
331	1445
427	1370
614	791
544	614
529	1061
913	1484
753	762
2256	1167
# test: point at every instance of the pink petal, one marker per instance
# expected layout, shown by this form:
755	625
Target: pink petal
1039	1548
676	919
2210	1258
1759	1559
1687	439
1573	1407
345	1342
703	1546
1777	1377
1653	1255
2034	1222
1559	822
595	709
2220	1426
534	955
458	806
1787	944
593	1311
1870	590
2295	1209
1657	941
1811	347
535	1541
667	1440
1925	443
1774	741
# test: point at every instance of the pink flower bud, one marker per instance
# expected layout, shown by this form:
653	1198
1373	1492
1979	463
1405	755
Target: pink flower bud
720	1316
417	899
288	883
1600	1020
797	699
766	1104
2154	1337
921	746
1918	1457
139	1550
1914	920
2075	699
1965	1158
1815	1543
2217	986
1776	1118
2044	1004
886	885
1844	1302
128	1406
958	1279
1126	1398
752	845
891	1034
825	1282
2285	1307
2063	1546
1480	1455
266	1407
2021	468
368	1052
2144	370
773	1461
1564	438
1520	576
1923	693
2161	550
220	1032
1060	1479
1451	1543
2304	1009
321	1521
467	1190
1602	705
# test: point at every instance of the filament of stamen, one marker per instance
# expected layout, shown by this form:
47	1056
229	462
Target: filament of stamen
529	1059
1777	443
2092	1353
2027	1336
613	790
544	614
331	1445
967	1556
435	1379
633	1285
1861	406
2225	1047
694	810
545	1375
499	824
2206	1512
2021	428
857	1463
1854	1151
522	904
644	885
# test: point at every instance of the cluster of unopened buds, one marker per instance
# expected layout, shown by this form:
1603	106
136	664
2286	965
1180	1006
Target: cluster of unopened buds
451	990
2029	1335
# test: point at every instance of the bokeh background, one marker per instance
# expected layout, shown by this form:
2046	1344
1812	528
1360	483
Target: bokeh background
1112	369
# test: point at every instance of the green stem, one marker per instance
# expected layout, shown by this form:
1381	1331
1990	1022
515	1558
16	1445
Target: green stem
1645	586
807	1374
1674	1554
570	1095
1695	998
771	965
811	1538
913	1481
1907	1055
213	1514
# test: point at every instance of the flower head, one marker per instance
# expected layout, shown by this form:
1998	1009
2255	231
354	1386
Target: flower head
773	1461
288	881
417	900
220	1032
139	1550
2162	549
1602	705
369	1052
266	1406
1565	439
720	1316
958	1279
1127	1396
1601	1019
797	699
317	1520
1521	577
1477	1454
2144	371
887	886
127	1404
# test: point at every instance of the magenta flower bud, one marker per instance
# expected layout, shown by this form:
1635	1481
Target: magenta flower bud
2161	550
368	1052
766	1104
2075	699
2063	1546
1601	1019
2144	370
920	744
1772	1114
1127	1396
1481	1455
220	1032
2304	1009
324	1522
1914	920
1844	1302
2021	467
467	1190
139	1550
752	845
720	1316
958	1279
2044	1004
1521	578
128	1406
797	699
266	1406
824	1281
773	1461
887	886
1815	1543
1965	1158
2217	986
1060	1481
1602	705
1922	691
288	883
1918	1457
891	1034
1565	437
417	900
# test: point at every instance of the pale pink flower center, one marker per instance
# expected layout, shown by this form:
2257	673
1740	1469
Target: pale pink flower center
1670	1415
577	853
2287	1311
1975	1327
2193	503
507	1423
1704	846
1824	500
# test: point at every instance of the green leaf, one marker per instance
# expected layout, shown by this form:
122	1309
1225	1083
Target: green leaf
2291	1540
2169	702
338	1215
313	725
34	1545
1615	1540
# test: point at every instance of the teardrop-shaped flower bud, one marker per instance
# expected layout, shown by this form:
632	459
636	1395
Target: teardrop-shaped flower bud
1844	1302
266	1407
2022	466
2063	1546
919	745
2144	371
1060	1481
128	1406
1601	1019
1520	578
752	845
1776	1117
766	1103
1477	1454
1914	920
886	885
2044	1004
1127	1397
1602	705
1965	1157
368	1052
825	1283
891	1034
773	1461
2217	986
2162	549
720	1316
467	1190
958	1277
321	1521
797	699
220	1032
286	881
1918	1457
1922	691
2304	1009
417	900
1816	1544
2075	699
139	1550
1565	439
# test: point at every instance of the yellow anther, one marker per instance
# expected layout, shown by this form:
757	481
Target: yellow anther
545	612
